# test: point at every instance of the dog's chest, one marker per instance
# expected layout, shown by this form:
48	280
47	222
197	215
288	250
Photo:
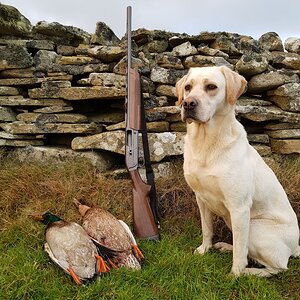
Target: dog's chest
206	185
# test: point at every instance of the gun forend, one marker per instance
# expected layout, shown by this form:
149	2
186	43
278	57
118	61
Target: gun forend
134	100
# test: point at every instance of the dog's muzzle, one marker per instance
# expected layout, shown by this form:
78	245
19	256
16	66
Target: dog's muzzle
189	104
189	109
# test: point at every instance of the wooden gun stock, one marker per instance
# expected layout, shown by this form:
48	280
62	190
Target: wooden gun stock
143	221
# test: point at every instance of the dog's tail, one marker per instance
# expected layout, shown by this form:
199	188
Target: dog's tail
297	252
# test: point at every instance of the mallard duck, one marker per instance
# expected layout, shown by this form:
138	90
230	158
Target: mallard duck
69	246
111	234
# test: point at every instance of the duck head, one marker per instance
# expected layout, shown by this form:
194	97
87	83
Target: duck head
47	218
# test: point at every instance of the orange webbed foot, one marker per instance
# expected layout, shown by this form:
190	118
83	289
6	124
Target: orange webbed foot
101	266
137	252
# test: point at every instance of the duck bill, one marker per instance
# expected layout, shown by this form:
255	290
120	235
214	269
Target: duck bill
36	217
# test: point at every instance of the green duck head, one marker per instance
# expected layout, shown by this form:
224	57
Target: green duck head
47	218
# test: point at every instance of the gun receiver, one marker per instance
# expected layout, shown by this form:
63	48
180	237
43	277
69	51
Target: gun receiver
144	224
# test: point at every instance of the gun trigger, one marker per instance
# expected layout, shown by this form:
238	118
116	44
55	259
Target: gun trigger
141	162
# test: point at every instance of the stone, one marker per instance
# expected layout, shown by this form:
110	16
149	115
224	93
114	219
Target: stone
270	80
271	41
9	91
104	35
44	60
251	64
225	45
161	101
165	144
178	126
81	69
7	114
262	150
167	60
40	45
76	60
21	81
55	29
287	96
205	61
178	39
18	73
286	60
110	141
117	126
285	146
252	101
51	118
53	109
24	102
266	113
105	79
107	54
166	90
258	138
103	161
19	127
248	44
185	49
108	116
20	143
205	50
161	144
142	65
78	93
142	36
279	126
58	76
156	46
166	76
14	57
292	44
160	126
55	84
12	22
284	133
9	136
166	109
65	50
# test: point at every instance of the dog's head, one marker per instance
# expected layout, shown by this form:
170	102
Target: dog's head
206	91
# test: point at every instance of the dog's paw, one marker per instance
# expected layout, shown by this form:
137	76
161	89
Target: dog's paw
202	249
223	246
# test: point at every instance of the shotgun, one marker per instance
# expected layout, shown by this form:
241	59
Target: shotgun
145	225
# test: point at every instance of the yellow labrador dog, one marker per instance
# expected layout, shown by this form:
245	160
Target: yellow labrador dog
230	179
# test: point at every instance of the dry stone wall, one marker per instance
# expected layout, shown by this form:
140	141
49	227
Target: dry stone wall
62	89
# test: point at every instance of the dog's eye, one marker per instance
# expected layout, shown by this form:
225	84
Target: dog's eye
211	87
187	87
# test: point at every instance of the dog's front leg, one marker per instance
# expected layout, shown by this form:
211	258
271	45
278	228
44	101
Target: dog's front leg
207	228
240	222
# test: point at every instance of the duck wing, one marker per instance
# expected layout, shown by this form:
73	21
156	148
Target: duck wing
70	244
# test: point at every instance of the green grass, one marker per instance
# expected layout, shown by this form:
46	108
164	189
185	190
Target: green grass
170	269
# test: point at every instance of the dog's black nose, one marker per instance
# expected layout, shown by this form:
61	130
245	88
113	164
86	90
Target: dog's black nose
189	103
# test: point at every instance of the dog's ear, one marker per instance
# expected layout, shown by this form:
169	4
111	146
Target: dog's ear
180	89
235	85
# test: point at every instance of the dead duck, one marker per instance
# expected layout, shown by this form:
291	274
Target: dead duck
69	246
113	235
